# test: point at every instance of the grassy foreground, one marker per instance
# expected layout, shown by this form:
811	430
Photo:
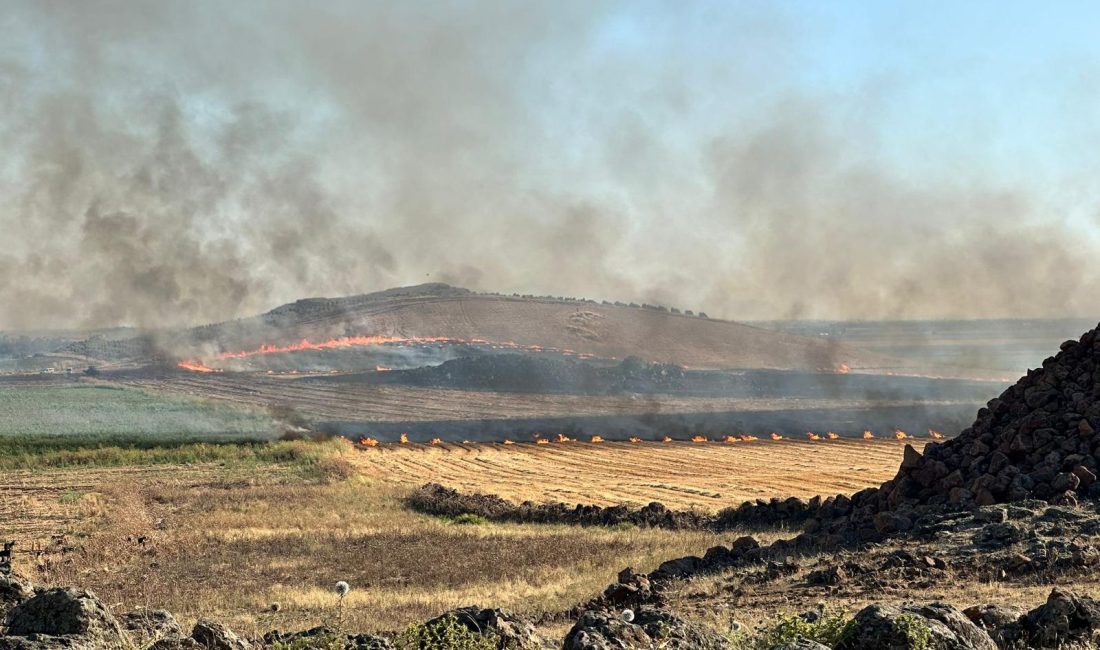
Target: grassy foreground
226	531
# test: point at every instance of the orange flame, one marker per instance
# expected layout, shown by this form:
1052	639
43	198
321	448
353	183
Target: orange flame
812	436
867	435
368	442
404	438
563	438
635	439
381	369
195	366
747	438
466	442
699	439
776	436
541	441
509	442
596	439
843	369
437	441
936	435
362	341
832	435
667	439
899	434
731	439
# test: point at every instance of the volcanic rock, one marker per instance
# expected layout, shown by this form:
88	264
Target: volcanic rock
1065	620
326	637
511	631
1036	441
649	627
942	627
63	618
13	591
215	636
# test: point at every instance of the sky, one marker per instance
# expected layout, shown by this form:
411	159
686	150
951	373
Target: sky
182	163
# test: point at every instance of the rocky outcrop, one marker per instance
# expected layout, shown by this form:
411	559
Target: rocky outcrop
647	627
1038	440
1066	620
511	631
13	591
216	636
64	618
930	627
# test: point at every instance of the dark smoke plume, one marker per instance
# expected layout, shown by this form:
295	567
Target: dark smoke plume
171	163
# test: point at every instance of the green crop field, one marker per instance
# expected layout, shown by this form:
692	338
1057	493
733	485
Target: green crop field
110	411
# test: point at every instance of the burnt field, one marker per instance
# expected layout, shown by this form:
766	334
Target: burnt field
386	409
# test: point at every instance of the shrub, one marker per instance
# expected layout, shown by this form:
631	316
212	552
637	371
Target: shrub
470	519
828	630
445	634
916	631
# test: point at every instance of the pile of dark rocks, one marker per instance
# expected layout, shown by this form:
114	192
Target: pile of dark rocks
438	500
1037	440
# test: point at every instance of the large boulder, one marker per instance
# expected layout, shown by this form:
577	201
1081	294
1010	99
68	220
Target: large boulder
1066	620
928	627
13	591
512	631
215	636
68	617
648	627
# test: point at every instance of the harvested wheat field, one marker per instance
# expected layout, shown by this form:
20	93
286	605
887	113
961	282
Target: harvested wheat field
707	476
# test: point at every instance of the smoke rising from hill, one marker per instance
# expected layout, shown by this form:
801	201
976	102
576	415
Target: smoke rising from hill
178	163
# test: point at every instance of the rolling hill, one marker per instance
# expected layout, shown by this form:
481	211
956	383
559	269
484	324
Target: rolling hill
583	327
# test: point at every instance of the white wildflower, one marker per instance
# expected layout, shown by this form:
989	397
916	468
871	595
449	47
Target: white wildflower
342	589
627	616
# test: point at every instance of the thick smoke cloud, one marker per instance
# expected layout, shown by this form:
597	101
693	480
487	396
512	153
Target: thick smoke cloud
180	163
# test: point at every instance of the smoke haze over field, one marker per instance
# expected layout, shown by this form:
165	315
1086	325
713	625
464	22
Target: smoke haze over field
179	163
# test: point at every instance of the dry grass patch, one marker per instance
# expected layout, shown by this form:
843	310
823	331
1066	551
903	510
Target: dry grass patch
228	544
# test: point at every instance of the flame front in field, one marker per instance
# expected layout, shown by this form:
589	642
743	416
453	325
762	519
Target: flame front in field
635	439
747	438
843	369
509	442
382	369
936	435
776	436
195	366
730	439
404	438
437	441
467	442
368	442
867	435
666	439
365	341
596	439
563	438
900	435
699	439
810	435
832	435
541	441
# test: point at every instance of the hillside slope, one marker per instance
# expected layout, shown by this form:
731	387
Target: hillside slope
585	327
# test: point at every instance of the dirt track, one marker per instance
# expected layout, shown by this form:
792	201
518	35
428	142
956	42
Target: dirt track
708	476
